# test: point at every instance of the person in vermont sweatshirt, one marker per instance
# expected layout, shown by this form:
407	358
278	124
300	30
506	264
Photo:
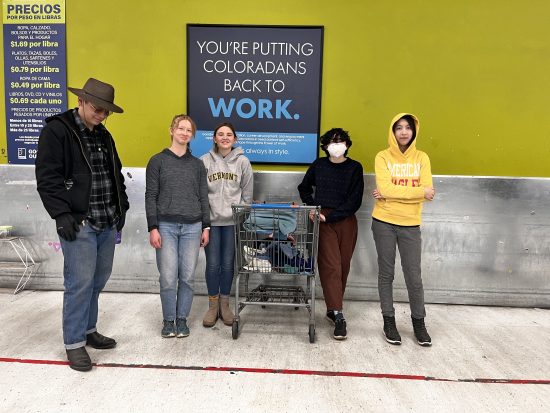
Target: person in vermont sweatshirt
178	220
403	183
230	181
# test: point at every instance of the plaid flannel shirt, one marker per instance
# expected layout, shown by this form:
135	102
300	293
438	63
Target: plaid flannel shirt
102	210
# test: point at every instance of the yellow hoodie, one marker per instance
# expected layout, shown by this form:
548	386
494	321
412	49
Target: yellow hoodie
401	179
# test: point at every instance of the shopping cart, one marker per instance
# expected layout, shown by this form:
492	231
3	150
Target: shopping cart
278	242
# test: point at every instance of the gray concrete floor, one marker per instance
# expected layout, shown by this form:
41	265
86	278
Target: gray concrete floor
148	373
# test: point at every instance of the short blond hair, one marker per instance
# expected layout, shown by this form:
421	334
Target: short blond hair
178	118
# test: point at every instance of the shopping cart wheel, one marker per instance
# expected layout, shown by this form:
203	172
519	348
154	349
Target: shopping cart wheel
235	330
311	333
264	297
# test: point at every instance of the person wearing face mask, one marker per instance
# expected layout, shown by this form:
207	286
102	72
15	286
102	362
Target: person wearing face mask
403	184
335	183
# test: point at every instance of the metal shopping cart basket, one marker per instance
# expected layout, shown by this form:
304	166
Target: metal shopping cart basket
276	242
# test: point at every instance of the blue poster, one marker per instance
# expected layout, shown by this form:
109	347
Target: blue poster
265	80
34	71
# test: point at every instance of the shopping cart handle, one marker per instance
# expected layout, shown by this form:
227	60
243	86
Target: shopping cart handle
275	206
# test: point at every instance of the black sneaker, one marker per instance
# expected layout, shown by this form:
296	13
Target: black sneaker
330	316
421	333
168	329
390	331
182	330
340	327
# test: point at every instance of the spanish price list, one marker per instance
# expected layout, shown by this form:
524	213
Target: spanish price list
35	84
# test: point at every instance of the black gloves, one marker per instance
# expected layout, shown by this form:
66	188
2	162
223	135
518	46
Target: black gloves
121	222
67	227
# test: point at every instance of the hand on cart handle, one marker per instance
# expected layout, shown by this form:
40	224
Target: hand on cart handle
312	216
155	239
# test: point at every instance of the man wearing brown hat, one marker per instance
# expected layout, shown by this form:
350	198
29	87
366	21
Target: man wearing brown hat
79	179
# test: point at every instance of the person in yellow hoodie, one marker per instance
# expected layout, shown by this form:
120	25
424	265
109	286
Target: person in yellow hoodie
403	183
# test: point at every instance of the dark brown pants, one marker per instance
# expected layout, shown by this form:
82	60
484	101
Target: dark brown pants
336	244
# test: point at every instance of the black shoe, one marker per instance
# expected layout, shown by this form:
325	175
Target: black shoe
330	316
79	359
421	333
168	329
99	341
340	327
390	331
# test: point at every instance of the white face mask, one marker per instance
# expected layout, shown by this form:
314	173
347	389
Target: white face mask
337	149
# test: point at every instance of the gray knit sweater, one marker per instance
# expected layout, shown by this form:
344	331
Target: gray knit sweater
176	190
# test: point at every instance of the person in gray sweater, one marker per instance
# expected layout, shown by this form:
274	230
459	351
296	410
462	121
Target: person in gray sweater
230	181
178	220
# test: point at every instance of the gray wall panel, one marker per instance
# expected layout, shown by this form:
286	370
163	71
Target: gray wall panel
485	239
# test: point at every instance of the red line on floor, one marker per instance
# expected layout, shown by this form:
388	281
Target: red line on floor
283	371
32	361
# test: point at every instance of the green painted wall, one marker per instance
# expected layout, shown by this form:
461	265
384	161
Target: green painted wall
475	72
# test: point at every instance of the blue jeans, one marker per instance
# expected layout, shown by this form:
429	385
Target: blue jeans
176	262
220	258
88	262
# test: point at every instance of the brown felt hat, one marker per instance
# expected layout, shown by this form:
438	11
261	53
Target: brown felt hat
98	93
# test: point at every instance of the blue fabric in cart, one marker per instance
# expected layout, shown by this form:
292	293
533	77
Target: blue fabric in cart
267	222
287	257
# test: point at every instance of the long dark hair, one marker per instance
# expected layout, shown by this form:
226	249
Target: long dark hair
412	124
221	125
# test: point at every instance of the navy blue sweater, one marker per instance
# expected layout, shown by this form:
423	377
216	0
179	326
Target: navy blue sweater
338	186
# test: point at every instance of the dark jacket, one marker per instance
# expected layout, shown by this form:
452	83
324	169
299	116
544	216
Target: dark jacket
63	169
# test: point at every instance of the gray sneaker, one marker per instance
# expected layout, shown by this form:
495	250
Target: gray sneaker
181	328
168	329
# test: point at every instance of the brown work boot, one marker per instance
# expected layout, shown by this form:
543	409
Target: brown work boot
225	311
212	314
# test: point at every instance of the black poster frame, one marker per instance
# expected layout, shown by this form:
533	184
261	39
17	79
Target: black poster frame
273	127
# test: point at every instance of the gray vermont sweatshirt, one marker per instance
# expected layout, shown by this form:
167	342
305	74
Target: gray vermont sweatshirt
230	181
176	190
